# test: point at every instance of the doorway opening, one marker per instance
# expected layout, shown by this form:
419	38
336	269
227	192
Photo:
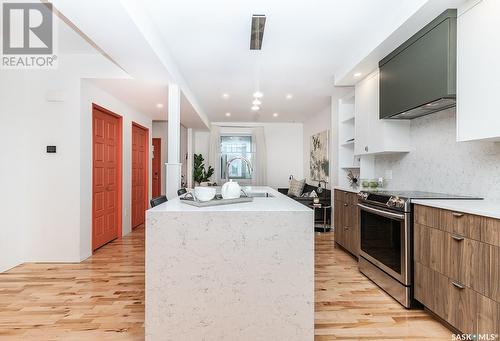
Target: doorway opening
156	168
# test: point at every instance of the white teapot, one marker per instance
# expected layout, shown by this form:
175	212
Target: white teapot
231	190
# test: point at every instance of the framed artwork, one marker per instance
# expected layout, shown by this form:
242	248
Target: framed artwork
319	164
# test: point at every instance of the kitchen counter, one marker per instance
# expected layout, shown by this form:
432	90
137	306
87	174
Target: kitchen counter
478	207
277	203
348	189
242	271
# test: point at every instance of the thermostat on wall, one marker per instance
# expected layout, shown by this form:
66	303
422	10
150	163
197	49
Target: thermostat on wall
51	149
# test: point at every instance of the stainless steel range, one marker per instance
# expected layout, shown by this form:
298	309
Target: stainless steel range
386	239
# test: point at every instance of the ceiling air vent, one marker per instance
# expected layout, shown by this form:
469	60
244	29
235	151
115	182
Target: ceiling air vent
257	33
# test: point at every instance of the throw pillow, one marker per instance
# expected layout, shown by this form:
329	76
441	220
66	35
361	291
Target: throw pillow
313	194
296	187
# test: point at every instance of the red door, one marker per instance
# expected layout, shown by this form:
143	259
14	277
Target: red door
139	174
156	174
106	176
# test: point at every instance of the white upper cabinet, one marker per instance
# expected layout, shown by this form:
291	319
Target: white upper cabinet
478	71
373	135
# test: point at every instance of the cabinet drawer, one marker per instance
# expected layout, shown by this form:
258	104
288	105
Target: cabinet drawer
341	195
436	299
467	261
449	299
484	229
346	197
488	316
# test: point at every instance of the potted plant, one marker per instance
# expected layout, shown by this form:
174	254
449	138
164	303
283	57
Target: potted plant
200	175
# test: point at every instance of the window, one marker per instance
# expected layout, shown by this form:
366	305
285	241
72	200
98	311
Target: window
236	146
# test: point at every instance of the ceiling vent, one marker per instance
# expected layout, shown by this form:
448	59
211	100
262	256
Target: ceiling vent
257	33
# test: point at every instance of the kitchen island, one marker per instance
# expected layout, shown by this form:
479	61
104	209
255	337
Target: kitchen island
234	272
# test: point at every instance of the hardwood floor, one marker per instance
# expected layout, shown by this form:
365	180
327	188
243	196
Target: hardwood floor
350	307
103	299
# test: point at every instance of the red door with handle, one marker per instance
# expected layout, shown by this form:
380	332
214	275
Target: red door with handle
139	174
106	176
156	174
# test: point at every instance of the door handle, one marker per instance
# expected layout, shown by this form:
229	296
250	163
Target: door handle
457	237
381	213
457	285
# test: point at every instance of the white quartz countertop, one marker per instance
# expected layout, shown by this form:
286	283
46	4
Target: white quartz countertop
485	208
349	189
278	203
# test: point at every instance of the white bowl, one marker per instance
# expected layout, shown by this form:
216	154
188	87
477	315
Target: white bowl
204	193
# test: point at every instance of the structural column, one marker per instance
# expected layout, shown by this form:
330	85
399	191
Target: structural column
189	168
173	165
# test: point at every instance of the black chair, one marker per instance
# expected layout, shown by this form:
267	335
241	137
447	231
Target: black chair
157	201
181	191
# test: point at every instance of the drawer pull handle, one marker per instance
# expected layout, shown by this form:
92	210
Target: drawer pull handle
346	227
346	205
457	238
457	214
458	285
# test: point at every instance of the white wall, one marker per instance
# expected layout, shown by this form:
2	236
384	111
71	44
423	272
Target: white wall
183	153
284	145
201	141
44	211
284	142
92	94
314	124
14	169
438	163
160	131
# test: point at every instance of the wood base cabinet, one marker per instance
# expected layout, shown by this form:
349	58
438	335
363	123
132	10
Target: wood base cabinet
457	268
346	221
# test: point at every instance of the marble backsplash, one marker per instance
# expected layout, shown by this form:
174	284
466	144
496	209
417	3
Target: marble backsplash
439	163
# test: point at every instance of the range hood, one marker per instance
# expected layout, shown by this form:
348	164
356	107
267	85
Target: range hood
419	77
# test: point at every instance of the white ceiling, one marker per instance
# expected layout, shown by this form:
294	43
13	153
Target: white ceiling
305	43
140	94
204	46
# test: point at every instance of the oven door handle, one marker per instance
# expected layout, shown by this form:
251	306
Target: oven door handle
381	212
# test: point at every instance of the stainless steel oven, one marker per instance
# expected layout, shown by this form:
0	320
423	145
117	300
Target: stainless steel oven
386	237
385	250
385	241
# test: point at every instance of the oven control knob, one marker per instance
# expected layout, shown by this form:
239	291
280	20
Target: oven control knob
362	195
396	202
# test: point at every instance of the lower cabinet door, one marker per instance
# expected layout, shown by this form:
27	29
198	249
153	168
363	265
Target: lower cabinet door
462	310
448	299
352	212
339	222
488	316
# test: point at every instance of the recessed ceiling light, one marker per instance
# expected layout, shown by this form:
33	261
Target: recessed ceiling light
357	74
275	114
289	96
258	94
255	108
256	102
228	114
159	105
225	95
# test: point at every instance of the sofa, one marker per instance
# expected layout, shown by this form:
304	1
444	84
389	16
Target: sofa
325	198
